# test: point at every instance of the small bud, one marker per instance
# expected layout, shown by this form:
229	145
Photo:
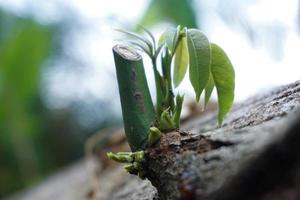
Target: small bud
123	158
129	168
139	156
154	135
166	123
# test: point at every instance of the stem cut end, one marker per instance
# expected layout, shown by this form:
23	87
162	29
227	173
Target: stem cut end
126	52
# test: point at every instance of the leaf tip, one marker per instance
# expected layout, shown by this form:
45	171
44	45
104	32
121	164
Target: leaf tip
198	95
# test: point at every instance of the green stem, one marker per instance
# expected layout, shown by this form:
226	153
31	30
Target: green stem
137	107
170	91
158	86
167	74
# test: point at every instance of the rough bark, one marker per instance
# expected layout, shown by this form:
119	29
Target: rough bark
252	156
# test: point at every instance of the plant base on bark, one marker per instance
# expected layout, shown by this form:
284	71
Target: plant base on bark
178	50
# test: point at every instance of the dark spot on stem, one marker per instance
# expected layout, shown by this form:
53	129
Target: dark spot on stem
138	96
139	99
133	73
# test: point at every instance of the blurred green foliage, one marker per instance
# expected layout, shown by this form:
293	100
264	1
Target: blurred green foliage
34	140
172	11
24	46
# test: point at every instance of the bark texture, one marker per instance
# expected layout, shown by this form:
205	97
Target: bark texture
254	155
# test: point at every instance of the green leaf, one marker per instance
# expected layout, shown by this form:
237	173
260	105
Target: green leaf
166	123
137	37
181	61
209	88
140	46
178	108
159	48
166	59
223	75
167	37
199	60
176	39
149	34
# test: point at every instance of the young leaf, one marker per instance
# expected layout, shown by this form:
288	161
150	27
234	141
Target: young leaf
166	60
140	46
138	37
175	39
208	89
150	35
158	50
223	75
178	108
181	61
199	60
166	122
162	84
167	38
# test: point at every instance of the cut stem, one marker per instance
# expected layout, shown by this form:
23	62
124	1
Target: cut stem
137	107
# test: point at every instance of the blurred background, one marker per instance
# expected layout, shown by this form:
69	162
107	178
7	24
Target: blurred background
57	78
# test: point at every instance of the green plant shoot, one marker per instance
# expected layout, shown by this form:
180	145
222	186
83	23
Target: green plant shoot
178	50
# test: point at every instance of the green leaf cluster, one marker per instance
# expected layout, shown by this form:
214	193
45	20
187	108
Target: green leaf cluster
209	66
181	51
178	50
